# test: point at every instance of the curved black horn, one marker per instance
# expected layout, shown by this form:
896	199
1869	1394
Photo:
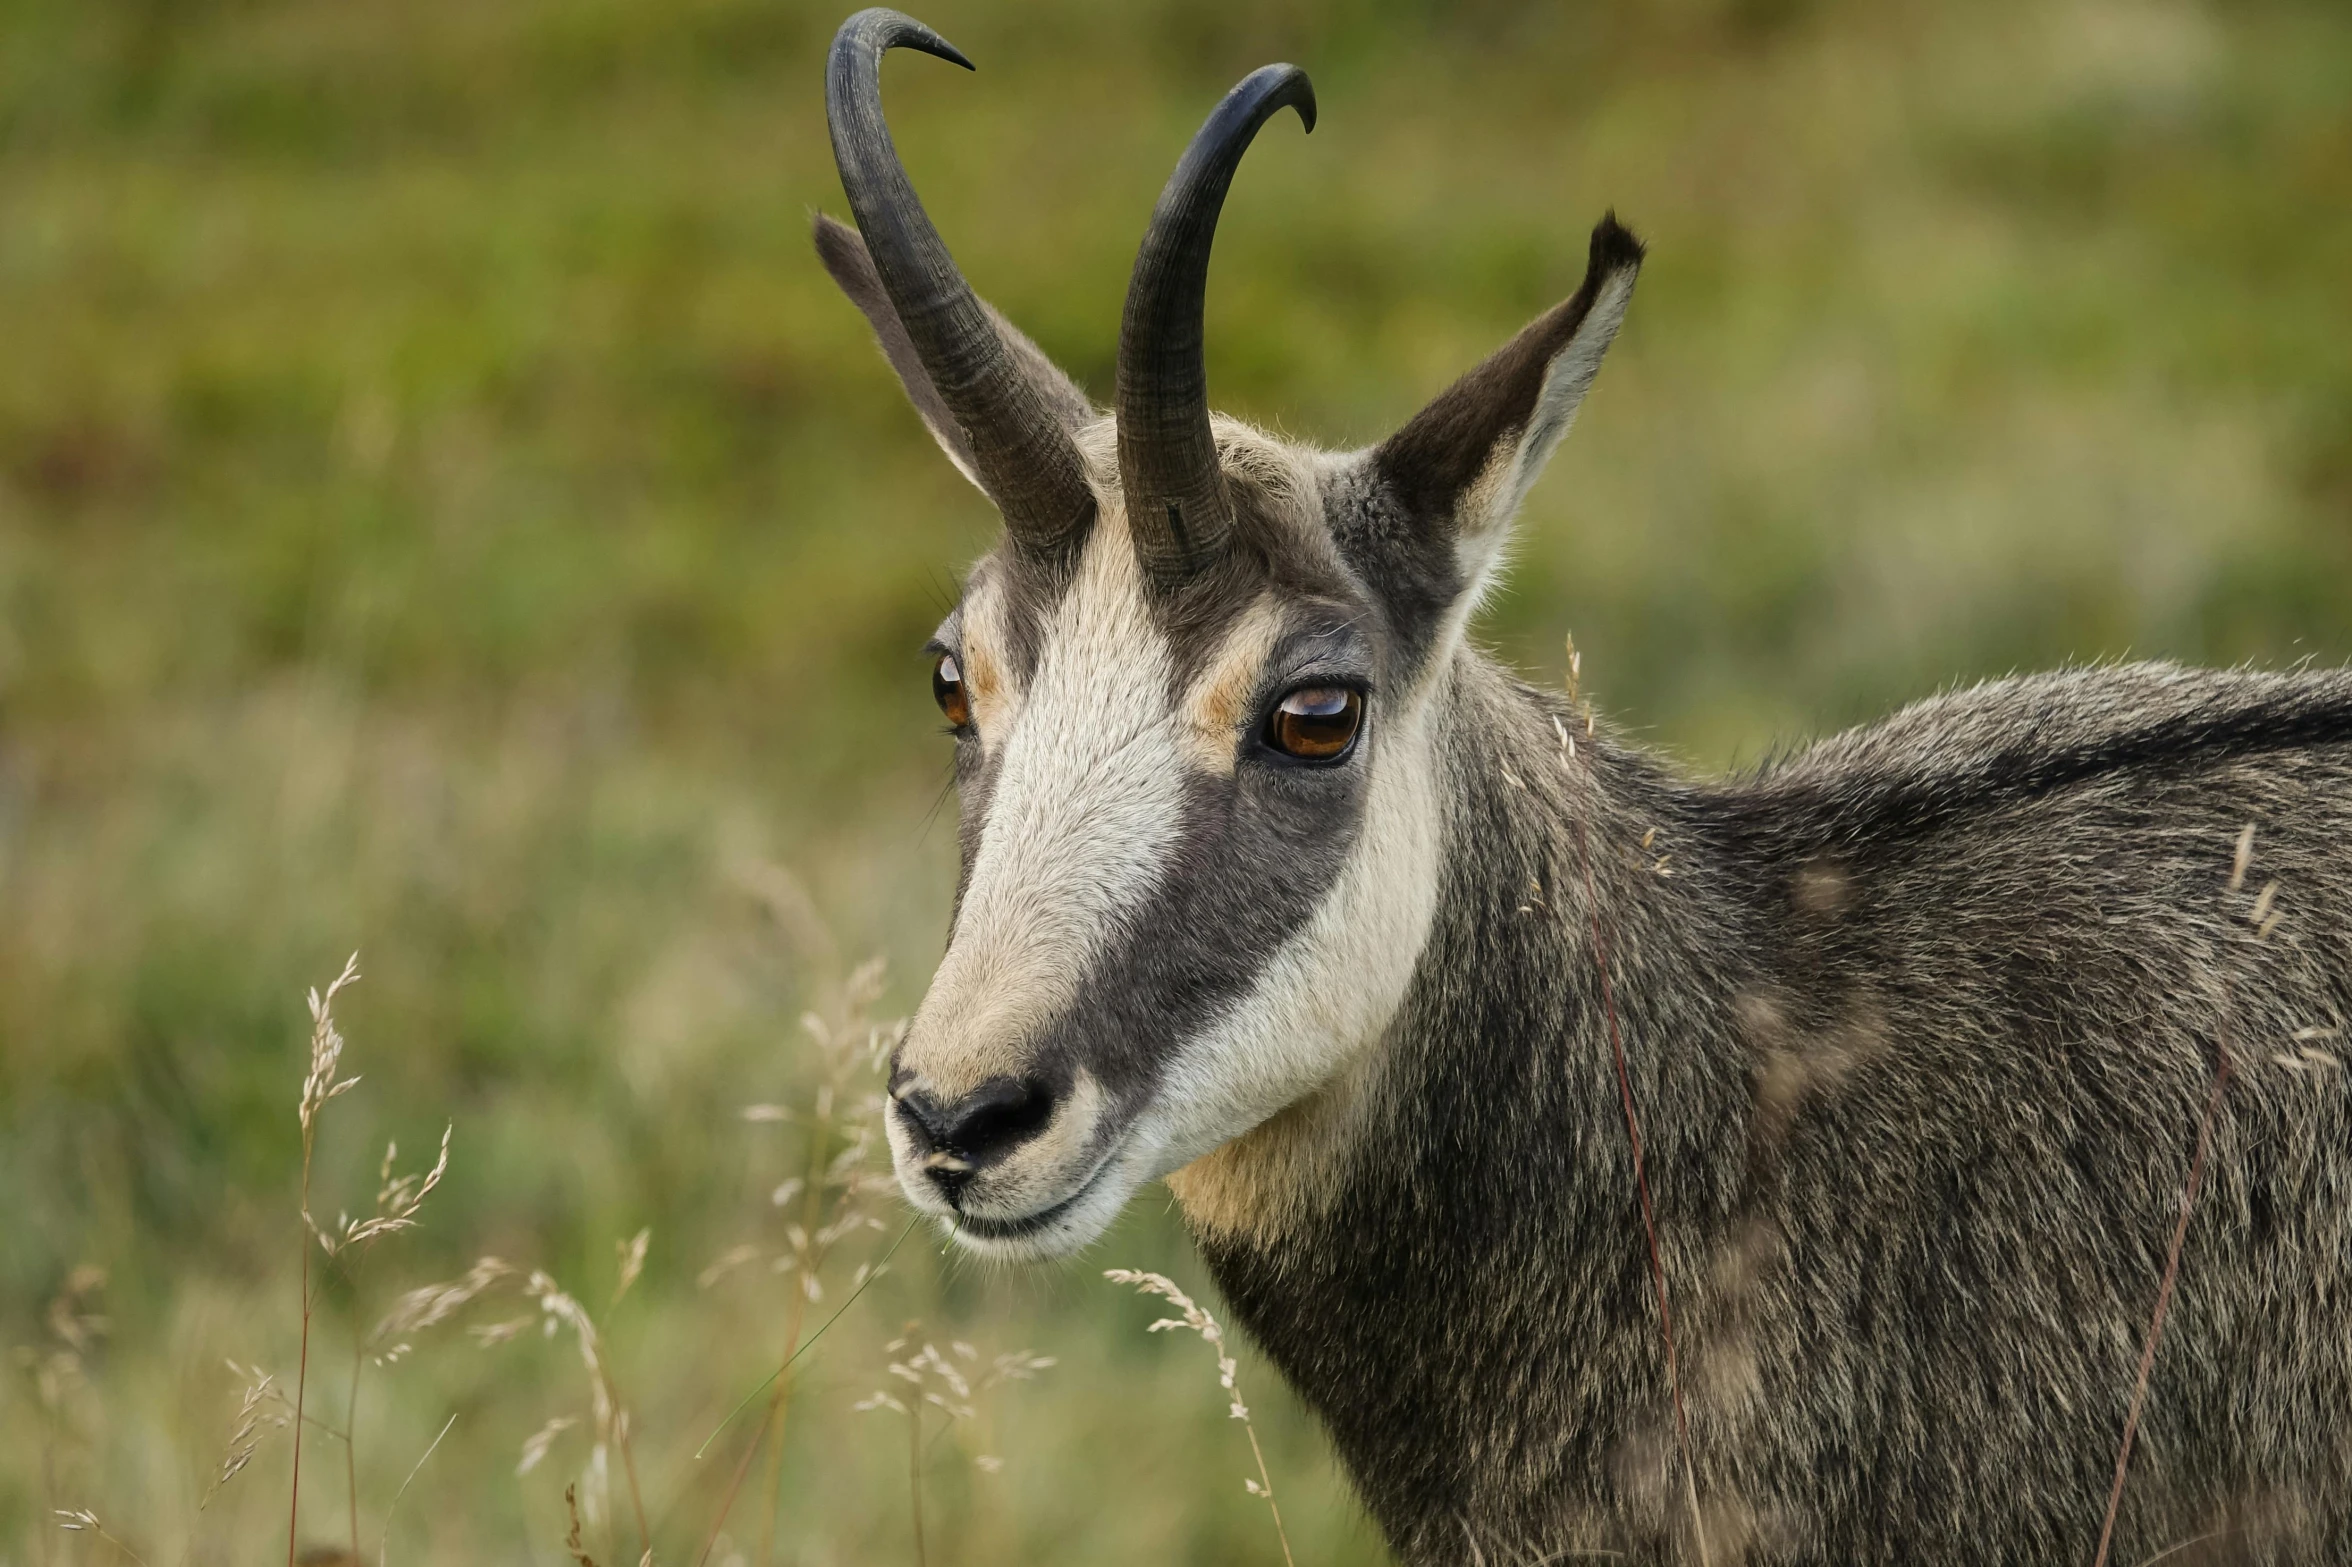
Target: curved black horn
1177	509
1027	461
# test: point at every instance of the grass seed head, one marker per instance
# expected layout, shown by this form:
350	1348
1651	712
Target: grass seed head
326	1048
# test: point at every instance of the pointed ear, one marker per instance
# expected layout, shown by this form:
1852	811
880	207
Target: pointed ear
1465	462
844	254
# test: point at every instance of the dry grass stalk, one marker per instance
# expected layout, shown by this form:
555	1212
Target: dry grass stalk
579	1552
535	1445
826	1203
1019	1365
347	1246
2262	919
261	1409
936	1380
632	1263
612	1417
432	1304
557	1311
398	1198
81	1520
828	1197
1197	1319
384	1536
320	1085
55	1370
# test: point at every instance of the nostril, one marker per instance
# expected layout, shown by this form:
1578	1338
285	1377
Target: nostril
995	1117
921	1115
979	1129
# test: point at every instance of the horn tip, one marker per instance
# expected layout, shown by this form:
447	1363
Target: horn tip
1304	101
1289	87
880	28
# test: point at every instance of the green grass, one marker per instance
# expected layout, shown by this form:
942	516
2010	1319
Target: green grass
444	511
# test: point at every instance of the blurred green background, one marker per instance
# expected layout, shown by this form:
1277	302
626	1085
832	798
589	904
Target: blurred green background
445	511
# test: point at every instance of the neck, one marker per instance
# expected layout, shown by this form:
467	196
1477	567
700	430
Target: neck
1444	1250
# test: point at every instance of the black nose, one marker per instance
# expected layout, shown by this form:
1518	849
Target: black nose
979	1129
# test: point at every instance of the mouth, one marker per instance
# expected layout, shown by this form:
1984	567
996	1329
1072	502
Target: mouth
968	1226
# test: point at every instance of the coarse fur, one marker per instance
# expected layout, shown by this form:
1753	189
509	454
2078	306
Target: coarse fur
1920	1026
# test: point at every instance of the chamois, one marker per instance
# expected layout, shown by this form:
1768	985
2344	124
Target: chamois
1275	887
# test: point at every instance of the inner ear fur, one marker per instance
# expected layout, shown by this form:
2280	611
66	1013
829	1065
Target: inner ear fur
1464	463
844	254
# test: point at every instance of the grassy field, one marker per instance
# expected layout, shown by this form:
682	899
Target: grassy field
445	512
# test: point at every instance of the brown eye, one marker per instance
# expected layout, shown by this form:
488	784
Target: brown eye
1315	723
947	689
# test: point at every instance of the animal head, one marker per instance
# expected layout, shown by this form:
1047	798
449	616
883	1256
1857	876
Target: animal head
1198	696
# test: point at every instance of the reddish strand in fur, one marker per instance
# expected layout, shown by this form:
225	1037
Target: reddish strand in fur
2180	1235
1641	1183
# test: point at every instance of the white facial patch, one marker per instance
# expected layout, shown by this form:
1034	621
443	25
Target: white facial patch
1084	811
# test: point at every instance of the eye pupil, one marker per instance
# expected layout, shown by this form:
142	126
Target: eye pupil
1316	723
947	689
